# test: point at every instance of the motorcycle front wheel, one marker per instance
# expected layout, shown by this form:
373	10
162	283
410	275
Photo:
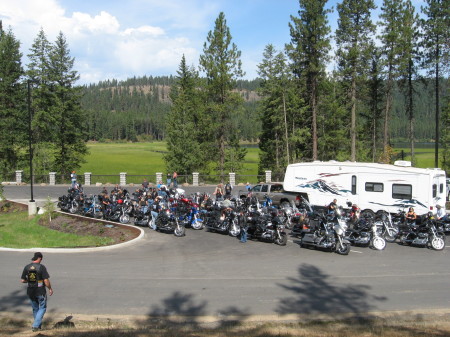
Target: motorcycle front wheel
281	241
390	235
438	243
343	249
378	243
234	229
124	219
197	224
179	231
73	207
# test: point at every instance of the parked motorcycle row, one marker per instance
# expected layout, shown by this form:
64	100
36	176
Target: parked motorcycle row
169	211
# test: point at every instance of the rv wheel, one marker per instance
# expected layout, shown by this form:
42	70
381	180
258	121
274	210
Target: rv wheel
368	213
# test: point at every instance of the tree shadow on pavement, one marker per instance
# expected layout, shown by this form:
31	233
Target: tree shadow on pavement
316	293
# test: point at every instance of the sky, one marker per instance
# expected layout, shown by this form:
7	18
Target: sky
120	39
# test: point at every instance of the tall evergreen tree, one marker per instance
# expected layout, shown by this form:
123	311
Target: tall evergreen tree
65	109
222	65
353	39
436	44
391	15
12	99
184	124
445	139
308	50
278	107
408	62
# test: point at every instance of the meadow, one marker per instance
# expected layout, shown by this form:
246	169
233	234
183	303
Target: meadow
142	160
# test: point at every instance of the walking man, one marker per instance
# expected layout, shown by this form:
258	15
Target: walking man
37	277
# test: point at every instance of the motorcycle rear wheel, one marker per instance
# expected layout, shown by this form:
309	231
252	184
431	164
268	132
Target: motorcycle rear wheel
378	243
281	241
343	249
438	243
179	231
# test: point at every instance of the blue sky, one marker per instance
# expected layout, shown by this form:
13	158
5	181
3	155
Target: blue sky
125	38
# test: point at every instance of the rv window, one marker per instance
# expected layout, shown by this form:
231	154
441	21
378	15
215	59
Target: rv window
353	184
441	188
400	191
374	187
434	190
264	188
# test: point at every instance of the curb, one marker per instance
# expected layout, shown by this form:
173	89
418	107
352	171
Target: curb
78	250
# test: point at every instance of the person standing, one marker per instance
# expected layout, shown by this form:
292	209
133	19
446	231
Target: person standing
174	179
73	179
36	276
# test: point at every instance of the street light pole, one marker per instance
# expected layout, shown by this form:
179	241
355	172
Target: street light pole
32	204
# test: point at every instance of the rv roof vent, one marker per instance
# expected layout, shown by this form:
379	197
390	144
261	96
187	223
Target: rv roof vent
403	163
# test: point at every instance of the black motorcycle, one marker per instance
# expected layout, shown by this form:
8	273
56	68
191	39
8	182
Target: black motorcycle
223	220
269	228
168	220
364	232
328	234
425	234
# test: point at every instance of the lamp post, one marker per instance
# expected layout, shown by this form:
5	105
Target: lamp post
32	209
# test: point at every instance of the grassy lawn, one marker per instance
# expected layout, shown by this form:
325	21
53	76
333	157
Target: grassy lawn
17	231
143	160
424	157
139	160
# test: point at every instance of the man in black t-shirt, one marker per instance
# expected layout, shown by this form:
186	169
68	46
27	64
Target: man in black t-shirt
37	277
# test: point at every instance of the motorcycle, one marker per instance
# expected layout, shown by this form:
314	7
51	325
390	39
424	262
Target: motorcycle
224	220
269	228
188	212
426	234
329	234
167	221
365	233
92	208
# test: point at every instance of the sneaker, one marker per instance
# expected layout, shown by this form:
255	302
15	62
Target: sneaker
35	329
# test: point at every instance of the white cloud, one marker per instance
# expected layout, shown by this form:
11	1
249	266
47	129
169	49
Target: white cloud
103	45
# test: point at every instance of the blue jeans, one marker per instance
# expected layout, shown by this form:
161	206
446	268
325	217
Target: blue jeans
243	234
153	222
39	305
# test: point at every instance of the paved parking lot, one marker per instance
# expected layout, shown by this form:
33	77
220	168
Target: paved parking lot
210	274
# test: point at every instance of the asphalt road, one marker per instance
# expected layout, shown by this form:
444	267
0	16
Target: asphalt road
209	274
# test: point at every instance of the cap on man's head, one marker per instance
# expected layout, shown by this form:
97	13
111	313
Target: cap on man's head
36	256
438	206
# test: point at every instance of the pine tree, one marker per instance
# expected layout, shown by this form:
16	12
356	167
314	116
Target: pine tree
391	15
308	52
12	108
353	39
408	65
184	124
437	51
222	65
66	110
279	112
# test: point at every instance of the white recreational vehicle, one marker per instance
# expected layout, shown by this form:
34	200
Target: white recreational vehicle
373	187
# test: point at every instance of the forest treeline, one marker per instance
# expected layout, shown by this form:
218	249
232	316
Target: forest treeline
136	109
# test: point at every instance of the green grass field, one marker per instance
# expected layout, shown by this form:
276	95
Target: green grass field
143	160
107	160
